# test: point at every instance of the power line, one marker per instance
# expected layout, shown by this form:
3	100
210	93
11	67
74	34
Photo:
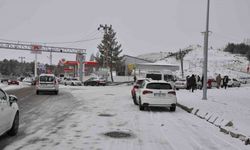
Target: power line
65	42
91	38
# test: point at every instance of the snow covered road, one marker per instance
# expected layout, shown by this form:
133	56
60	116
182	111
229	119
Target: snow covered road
84	120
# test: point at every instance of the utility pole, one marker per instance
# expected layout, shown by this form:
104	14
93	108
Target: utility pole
105	57
50	58
205	55
181	58
22	59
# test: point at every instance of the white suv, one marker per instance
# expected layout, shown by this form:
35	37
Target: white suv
72	81
9	114
47	83
157	94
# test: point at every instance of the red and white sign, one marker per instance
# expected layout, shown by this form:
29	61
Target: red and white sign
36	49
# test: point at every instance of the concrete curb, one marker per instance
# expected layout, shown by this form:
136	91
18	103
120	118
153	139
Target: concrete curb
222	124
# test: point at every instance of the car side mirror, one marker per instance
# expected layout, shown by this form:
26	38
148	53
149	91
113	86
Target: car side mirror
12	99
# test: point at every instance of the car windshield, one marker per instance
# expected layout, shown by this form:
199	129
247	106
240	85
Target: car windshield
47	79
164	86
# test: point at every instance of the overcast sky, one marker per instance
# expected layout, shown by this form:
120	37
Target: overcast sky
142	26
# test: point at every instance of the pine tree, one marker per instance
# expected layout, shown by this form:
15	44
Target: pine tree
92	57
109	50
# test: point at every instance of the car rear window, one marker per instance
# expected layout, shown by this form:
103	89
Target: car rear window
164	86
139	82
47	79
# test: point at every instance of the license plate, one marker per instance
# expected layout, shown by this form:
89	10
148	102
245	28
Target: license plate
160	94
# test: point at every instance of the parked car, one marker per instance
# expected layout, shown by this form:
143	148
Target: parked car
47	83
211	83
95	81
233	83
13	81
9	114
157	94
136	85
72	81
244	80
4	80
181	84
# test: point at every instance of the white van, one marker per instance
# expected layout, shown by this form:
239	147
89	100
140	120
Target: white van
47	83
165	75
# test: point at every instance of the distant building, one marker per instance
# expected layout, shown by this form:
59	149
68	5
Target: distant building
129	64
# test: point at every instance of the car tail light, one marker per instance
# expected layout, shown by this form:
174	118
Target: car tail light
172	92
136	86
146	92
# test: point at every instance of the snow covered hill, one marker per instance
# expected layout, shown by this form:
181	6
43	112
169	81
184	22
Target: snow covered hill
219	62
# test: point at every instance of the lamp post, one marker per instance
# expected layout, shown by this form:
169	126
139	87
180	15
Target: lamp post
205	54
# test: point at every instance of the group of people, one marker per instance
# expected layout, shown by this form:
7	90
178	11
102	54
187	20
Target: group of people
196	82
223	80
192	82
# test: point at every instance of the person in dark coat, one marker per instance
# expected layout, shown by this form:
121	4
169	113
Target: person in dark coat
135	78
188	82
225	81
202	79
192	83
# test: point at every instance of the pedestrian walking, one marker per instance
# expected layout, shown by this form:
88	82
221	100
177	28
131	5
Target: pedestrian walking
135	78
218	81
192	83
188	82
202	80
225	81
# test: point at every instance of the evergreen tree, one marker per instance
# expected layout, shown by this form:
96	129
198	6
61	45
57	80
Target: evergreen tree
92	57
109	50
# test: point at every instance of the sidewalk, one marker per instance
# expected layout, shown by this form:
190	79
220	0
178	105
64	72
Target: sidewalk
228	109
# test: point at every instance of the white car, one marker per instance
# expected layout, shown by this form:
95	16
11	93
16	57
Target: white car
181	84
47	83
9	114
244	80
72	81
157	94
233	83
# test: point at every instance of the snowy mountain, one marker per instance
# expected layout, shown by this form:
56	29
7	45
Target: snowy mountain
219	62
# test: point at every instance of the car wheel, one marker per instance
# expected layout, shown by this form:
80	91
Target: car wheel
172	108
56	92
65	84
72	84
14	129
141	107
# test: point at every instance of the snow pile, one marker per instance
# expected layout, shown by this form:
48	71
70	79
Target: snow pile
227	109
13	87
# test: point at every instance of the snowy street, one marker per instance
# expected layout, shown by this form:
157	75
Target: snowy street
82	117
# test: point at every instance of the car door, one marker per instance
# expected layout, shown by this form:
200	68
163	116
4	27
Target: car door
5	115
1	113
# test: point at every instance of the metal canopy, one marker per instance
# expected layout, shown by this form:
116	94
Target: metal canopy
35	47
